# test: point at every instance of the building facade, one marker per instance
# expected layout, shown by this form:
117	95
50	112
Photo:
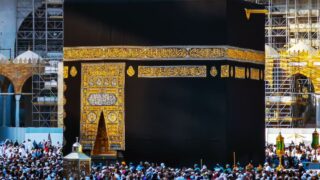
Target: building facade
31	44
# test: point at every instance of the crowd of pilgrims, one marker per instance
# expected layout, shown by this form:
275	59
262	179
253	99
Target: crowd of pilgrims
42	160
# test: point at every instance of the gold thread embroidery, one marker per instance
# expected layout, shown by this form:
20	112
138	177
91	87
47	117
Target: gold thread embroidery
65	87
102	92
240	73
73	71
254	74
172	71
65	72
261	74
157	53
239	54
213	71
130	71
224	71
207	52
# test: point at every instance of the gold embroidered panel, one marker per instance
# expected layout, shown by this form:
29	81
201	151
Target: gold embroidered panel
255	74
65	72
164	53
231	71
171	71
240	72
207	52
213	71
247	73
130	71
73	71
102	92
245	55
261	75
225	71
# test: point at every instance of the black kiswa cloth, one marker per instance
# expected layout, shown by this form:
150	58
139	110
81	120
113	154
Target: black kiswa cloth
162	22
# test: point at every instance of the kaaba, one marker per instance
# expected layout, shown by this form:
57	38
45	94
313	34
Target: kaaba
174	81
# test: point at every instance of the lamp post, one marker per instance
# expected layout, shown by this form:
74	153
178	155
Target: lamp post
280	150
315	144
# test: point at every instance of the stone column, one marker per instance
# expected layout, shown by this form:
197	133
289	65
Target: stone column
60	94
17	118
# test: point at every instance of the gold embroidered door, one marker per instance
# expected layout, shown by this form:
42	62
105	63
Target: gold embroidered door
102	94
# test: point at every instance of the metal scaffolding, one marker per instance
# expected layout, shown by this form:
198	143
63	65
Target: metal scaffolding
291	73
41	30
291	21
279	91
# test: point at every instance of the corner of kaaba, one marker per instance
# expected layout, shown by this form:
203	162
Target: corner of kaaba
174	81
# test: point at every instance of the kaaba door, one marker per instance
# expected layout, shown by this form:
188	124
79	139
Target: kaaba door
102	107
101	145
